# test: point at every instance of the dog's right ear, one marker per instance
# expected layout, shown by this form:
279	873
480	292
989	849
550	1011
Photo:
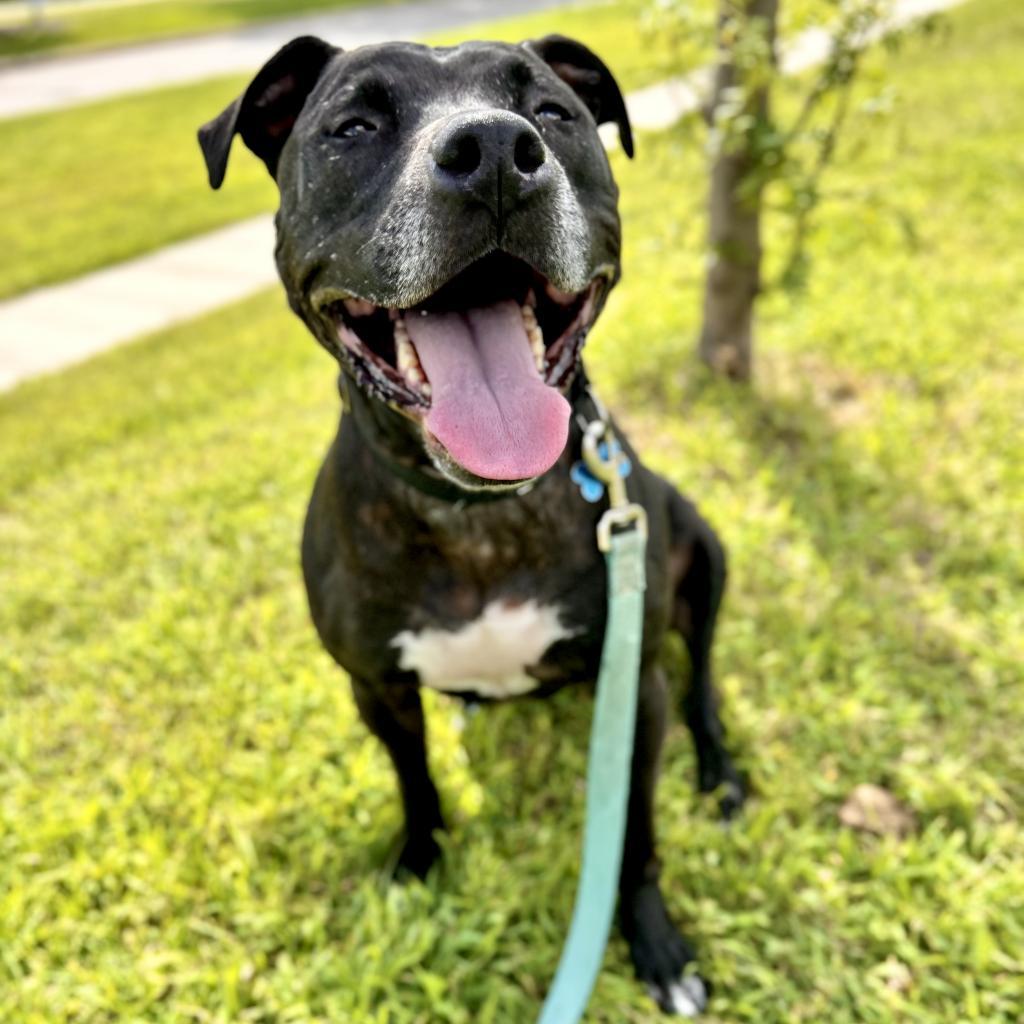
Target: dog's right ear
266	112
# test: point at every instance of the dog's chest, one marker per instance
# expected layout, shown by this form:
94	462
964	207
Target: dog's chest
490	655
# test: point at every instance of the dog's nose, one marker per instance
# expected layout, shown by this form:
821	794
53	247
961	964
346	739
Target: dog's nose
492	156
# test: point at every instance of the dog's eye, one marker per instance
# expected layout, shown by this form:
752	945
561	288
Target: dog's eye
553	112
352	127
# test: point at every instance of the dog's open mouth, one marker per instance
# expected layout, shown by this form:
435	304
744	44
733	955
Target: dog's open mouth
482	362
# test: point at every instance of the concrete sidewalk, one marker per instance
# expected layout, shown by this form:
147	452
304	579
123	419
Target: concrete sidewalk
50	328
22	12
50	83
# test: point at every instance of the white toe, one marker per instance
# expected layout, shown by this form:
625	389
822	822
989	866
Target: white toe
681	1001
696	989
687	997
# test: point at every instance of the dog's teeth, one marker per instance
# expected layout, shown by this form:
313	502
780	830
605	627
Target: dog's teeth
535	335
404	352
537	346
408	365
408	362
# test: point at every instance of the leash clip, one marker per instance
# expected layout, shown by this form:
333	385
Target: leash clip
607	462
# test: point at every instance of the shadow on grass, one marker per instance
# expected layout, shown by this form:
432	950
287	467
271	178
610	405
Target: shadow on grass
884	539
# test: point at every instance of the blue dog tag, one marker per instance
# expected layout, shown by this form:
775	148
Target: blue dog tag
590	487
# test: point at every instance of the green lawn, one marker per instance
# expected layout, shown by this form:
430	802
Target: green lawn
192	820
114	180
69	30
621	31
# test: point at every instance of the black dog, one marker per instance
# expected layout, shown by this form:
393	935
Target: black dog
448	229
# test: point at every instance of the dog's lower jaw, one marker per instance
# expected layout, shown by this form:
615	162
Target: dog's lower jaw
460	477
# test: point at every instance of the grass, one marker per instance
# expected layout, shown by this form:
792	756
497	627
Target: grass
118	25
191	818
620	31
114	180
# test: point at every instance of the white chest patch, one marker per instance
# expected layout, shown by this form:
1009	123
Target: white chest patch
489	655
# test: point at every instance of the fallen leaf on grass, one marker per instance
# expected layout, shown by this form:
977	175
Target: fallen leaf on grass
897	976
871	808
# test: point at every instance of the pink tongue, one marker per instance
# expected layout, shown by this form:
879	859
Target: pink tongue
489	406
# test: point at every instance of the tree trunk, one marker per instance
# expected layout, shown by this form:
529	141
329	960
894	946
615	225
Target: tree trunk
734	232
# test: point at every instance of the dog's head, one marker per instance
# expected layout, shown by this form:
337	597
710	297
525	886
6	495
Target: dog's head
448	228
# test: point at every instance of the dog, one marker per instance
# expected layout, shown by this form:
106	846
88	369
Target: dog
448	229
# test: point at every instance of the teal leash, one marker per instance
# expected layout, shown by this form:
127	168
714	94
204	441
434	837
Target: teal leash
622	536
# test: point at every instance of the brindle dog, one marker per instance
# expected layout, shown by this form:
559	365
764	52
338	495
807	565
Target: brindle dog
448	229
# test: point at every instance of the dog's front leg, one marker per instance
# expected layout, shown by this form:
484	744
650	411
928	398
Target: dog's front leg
658	951
394	715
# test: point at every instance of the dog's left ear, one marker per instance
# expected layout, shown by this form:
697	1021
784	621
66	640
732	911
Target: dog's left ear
266	112
588	76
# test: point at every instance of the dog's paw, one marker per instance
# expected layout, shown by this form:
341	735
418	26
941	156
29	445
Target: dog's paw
732	795
660	955
416	857
686	997
719	775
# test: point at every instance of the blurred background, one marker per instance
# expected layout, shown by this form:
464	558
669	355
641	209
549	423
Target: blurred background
819	337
